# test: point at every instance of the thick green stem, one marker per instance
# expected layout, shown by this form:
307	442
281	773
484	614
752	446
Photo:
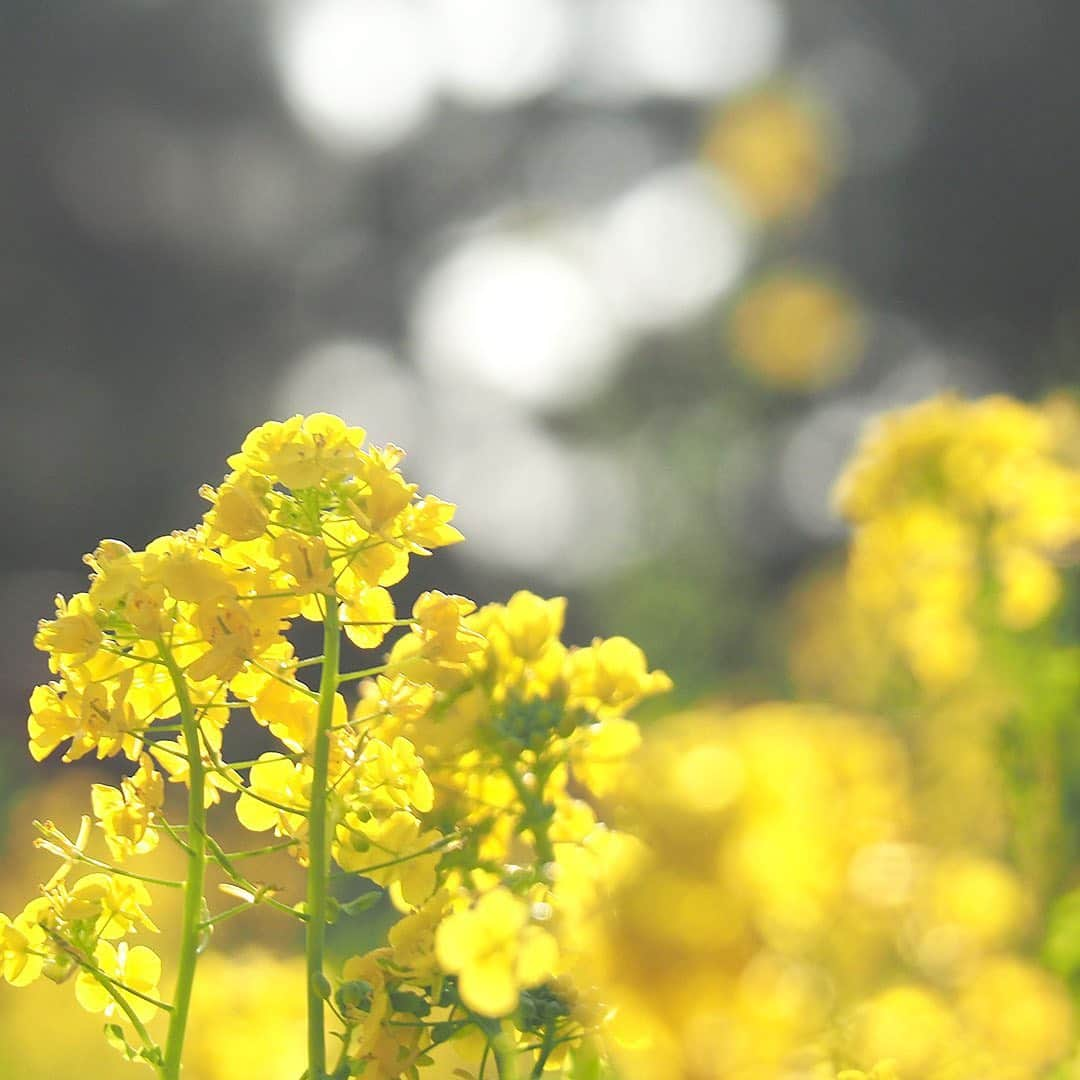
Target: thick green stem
319	845
194	884
506	1061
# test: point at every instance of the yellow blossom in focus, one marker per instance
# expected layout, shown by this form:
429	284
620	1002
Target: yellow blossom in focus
137	968
22	941
126	814
74	632
437	619
116	902
240	507
302	452
276	797
393	851
368	615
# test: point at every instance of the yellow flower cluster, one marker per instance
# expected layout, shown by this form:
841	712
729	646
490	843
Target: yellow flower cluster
773	918
962	511
472	765
517	718
520	736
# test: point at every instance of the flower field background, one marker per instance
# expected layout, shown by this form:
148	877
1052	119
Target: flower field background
738	335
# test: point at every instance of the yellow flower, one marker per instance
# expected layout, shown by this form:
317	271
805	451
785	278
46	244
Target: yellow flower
172	755
240	507
21	942
307	562
302	452
412	938
532	623
426	524
93	715
116	903
391	777
286	785
367	969
393	851
125	814
774	150
291	714
137	968
437	620
795	330
368	615
496	951
190	570
387	492
611	676
74	635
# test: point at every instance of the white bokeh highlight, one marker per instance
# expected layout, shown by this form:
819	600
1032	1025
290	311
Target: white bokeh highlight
360	381
517	314
359	75
496	53
669	247
680	49
527	503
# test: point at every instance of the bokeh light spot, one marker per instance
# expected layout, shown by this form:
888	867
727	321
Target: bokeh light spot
358	74
519	315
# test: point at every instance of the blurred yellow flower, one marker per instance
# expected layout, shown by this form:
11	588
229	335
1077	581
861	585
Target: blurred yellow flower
496	951
774	149
795	330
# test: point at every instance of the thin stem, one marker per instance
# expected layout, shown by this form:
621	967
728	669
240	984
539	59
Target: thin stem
110	987
365	871
281	845
100	864
319	843
365	674
535	819
171	831
238	879
291	683
196	876
228	913
547	1044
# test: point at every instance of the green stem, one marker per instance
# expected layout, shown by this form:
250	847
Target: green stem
505	1056
536	820
191	930
319	844
110	988
546	1046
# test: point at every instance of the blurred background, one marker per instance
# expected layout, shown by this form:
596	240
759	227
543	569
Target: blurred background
625	277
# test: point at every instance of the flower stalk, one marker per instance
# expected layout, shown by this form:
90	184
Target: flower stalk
319	845
195	882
